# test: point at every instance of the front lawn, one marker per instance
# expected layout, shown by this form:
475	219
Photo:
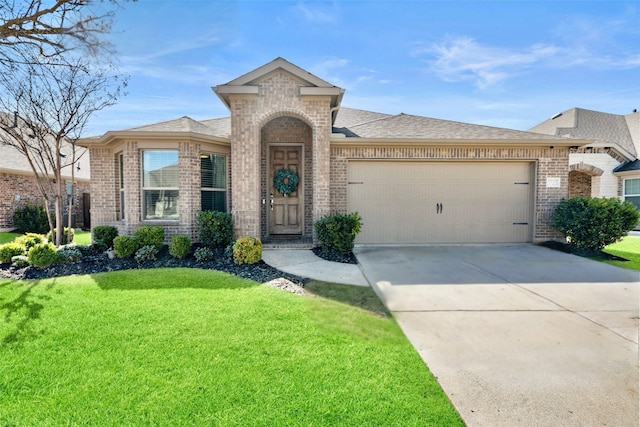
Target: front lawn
200	347
80	237
6	237
628	248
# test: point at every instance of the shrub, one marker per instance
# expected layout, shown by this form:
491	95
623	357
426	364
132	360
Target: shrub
67	255
10	250
146	253
247	250
29	240
203	254
19	261
179	246
42	255
67	235
337	233
103	236
31	219
150	235
590	224
124	246
215	229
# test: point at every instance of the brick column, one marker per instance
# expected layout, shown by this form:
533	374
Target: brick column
245	168
103	192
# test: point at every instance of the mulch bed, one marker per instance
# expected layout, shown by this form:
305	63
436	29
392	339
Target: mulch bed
566	248
99	262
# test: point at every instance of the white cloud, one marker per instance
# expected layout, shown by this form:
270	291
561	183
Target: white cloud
463	58
315	13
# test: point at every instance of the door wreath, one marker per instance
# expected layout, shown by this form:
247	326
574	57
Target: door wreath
285	181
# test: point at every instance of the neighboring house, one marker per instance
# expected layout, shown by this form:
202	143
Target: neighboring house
18	184
609	166
412	179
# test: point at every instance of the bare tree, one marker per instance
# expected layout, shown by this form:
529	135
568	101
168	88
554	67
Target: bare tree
55	103
53	26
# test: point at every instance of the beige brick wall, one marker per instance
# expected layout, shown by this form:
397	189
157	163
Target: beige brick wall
550	163
278	97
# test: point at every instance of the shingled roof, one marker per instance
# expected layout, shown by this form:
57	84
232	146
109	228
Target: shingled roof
603	128
407	126
361	124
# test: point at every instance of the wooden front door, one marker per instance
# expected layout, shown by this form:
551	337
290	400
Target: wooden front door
286	211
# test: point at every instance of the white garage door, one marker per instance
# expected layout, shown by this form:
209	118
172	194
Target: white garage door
441	202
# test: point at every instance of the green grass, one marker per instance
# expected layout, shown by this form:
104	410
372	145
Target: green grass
6	237
628	248
80	237
199	347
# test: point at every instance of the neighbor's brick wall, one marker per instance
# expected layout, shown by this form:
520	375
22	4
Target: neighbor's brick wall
278	96
25	187
550	163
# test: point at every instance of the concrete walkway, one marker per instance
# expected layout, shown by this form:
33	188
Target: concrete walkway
517	335
304	263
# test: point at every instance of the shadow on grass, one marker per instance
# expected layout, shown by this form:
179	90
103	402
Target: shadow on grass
357	296
20	313
170	278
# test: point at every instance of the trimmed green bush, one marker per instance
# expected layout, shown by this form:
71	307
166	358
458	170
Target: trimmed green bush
124	246
20	261
337	233
67	235
10	250
103	236
215	229
43	255
146	253
179	246
247	250
29	240
67	255
203	254
590	224
31	218
150	235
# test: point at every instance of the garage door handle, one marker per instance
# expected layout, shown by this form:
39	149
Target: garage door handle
438	208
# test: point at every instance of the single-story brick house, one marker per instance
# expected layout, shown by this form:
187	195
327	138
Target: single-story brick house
18	185
607	167
412	179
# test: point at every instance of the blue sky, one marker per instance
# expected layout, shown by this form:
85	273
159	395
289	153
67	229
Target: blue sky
510	64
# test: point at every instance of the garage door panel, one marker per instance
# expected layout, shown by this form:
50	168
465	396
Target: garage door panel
441	202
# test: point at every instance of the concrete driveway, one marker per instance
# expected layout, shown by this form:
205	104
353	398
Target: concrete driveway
517	335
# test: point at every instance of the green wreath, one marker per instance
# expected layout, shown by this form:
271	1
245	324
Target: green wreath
286	181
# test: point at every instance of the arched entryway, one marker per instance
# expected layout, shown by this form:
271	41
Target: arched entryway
581	176
286	143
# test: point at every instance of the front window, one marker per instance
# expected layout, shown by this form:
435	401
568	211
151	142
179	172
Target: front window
213	182
160	183
632	191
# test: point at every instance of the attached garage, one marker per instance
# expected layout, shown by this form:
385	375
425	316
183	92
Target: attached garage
415	202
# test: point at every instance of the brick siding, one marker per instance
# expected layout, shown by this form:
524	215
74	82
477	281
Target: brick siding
550	163
17	189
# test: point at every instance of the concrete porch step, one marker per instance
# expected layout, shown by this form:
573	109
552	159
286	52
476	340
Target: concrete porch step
287	242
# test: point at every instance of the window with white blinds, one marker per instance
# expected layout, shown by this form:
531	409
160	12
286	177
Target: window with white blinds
160	184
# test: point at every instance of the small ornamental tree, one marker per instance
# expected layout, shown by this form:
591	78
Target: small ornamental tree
590	224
